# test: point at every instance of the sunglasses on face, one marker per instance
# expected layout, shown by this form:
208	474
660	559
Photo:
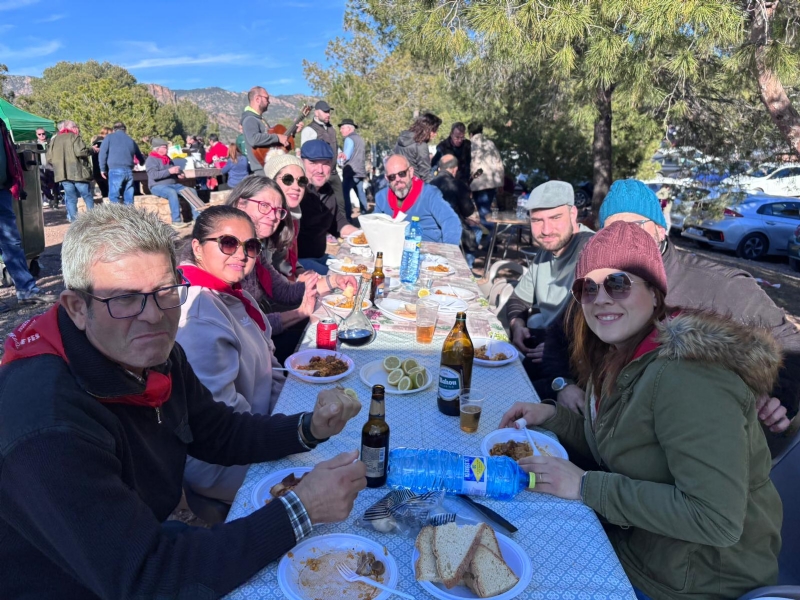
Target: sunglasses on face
229	244
617	286
400	174
288	180
265	208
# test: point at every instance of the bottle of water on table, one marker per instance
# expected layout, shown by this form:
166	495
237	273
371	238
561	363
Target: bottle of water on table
424	470
412	249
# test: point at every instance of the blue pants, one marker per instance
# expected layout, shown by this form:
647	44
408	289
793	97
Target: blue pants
483	202
357	184
170	192
73	189
11	246
315	264
120	185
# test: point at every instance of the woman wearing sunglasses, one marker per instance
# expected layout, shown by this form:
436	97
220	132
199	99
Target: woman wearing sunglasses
677	463
289	173
287	304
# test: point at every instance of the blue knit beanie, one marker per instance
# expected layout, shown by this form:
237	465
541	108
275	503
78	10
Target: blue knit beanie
632	196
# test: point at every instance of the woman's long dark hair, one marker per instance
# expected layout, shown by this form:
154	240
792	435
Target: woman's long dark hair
596	362
251	185
205	225
423	126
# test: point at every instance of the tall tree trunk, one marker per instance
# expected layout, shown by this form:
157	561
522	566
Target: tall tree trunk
601	149
784	115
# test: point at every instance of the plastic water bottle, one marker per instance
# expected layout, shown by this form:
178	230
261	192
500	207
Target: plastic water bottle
422	470
412	253
522	211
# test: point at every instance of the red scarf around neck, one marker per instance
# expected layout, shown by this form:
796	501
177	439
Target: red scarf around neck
202	278
164	159
264	278
408	202
60	131
41	335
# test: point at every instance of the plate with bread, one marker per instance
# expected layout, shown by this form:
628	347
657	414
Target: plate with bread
469	561
277	484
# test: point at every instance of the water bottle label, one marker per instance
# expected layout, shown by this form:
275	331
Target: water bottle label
375	460
410	246
449	383
473	482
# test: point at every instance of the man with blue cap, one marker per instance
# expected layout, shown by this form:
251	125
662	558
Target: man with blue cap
321	214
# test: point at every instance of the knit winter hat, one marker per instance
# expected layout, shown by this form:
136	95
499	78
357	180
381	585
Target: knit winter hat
278	161
627	247
632	196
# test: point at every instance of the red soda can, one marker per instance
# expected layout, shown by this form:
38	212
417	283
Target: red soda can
327	332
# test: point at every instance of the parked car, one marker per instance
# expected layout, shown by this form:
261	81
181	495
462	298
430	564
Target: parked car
783	181
793	250
751	225
680	194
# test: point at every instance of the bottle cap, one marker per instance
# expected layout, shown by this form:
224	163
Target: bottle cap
415	218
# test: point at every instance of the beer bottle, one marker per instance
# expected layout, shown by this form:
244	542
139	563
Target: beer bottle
455	368
375	440
378	279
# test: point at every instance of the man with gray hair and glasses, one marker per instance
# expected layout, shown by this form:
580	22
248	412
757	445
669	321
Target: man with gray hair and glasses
100	410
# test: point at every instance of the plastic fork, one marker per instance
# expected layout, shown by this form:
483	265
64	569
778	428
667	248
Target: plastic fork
349	575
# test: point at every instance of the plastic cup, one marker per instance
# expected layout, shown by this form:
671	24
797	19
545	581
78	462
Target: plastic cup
471	405
427	313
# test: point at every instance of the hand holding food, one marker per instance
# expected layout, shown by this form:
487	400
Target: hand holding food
533	413
328	492
334	408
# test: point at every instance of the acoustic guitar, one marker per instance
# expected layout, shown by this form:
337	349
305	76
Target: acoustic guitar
261	152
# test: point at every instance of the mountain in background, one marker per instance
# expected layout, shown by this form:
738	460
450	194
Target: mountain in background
222	106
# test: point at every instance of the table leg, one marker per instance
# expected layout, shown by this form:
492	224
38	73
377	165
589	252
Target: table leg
489	253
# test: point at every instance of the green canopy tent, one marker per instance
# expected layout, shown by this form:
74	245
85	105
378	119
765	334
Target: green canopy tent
23	125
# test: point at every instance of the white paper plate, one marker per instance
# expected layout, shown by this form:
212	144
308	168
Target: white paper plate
514	555
317	546
304	357
261	493
494	347
354	235
448	305
388	306
373	373
336	265
391	283
447	291
330	301
544	442
426	269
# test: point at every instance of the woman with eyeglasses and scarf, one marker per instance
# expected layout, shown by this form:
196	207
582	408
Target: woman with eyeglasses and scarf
287	304
676	462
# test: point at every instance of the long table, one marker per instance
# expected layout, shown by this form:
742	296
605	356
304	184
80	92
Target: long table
571	555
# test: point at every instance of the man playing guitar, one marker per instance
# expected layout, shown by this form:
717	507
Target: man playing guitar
256	129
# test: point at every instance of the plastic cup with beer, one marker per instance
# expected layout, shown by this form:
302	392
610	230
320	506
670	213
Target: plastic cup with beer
427	313
471	404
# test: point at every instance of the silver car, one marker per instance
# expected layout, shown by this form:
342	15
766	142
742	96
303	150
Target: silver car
753	225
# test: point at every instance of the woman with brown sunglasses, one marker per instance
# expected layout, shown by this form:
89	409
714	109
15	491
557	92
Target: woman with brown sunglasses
671	452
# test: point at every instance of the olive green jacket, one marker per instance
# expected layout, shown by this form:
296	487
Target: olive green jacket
70	158
683	465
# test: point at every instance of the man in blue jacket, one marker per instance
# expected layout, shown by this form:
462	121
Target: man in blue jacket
414	198
116	163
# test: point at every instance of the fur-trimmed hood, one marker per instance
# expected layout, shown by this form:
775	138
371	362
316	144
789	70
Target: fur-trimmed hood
750	352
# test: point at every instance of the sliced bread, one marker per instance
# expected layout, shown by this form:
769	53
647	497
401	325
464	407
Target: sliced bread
488	574
454	547
425	566
489	540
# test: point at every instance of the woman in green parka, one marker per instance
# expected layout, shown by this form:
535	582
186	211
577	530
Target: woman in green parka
680	465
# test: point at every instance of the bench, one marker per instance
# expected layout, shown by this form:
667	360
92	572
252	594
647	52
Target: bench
160	206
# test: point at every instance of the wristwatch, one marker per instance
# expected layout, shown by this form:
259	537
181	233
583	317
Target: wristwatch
559	383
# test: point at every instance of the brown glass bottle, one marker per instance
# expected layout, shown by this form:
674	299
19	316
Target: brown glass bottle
378	279
375	440
455	367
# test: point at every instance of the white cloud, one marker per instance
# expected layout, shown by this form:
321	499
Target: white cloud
280	82
17	4
52	19
186	61
7	53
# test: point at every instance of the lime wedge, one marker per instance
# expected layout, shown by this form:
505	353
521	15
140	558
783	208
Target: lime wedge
409	364
352	393
413	371
404	384
395	376
422	293
420	378
390	363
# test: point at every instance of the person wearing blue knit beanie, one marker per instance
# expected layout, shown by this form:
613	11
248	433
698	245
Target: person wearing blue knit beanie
632	196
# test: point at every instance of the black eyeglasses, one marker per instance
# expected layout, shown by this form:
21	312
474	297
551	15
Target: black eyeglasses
400	174
229	244
127	306
41	134
265	208
617	286
288	179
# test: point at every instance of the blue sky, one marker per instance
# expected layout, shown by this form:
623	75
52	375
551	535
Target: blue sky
179	44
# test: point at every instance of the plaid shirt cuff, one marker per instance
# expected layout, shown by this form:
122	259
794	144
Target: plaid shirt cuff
301	522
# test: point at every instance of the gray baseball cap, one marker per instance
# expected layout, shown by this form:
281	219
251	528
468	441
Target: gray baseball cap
551	194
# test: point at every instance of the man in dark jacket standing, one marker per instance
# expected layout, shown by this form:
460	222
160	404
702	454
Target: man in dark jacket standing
117	153
460	147
458	196
354	171
70	158
255	128
92	455
320	128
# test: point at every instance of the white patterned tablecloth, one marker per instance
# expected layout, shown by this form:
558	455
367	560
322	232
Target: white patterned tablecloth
571	555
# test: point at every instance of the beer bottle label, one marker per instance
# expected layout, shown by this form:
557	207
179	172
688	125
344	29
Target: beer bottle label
375	460
473	481
449	383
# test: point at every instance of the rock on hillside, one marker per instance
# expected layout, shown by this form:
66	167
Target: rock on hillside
19	85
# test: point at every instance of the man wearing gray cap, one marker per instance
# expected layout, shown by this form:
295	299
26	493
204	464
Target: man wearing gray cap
321	128
542	294
162	179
